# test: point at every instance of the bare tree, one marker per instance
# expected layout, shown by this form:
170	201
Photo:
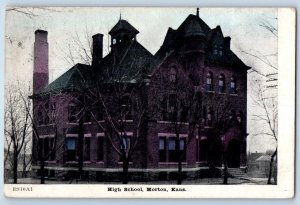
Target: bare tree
268	116
47	112
17	125
121	102
265	84
27	158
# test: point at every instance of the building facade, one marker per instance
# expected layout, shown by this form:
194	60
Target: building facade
186	104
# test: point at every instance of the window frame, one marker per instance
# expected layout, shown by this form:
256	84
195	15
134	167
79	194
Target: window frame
168	154
74	158
87	149
233	85
46	141
100	137
209	82
221	88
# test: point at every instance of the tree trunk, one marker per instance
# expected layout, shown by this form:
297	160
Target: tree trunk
271	166
225	179
15	166
24	173
125	169
42	171
179	180
177	147
80	148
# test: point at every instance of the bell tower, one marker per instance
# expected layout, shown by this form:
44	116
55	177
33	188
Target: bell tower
122	33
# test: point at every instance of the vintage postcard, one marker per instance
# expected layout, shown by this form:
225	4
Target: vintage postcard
149	102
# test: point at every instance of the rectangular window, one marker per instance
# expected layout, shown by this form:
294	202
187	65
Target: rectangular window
233	87
221	83
100	146
209	84
125	143
208	81
182	148
71	144
168	152
45	148
172	149
87	148
162	149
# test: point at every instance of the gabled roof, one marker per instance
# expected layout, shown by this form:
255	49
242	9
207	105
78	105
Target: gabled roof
194	26
123	25
129	63
75	78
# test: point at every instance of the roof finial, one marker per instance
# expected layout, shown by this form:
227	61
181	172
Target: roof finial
120	16
197	12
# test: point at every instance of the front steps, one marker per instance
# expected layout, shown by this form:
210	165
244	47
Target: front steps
237	173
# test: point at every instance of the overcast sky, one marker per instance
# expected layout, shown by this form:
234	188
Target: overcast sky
242	25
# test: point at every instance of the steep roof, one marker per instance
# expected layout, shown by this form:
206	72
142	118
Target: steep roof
194	26
129	63
123	25
75	78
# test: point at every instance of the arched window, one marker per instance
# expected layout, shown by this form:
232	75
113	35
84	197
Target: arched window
233	85
221	84
173	74
209	81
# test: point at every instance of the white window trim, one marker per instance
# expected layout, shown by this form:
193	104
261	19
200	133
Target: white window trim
87	123
71	135
129	134
88	135
171	135
47	136
100	134
170	122
72	123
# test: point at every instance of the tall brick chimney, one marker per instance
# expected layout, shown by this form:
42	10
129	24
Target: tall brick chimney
97	52
40	63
